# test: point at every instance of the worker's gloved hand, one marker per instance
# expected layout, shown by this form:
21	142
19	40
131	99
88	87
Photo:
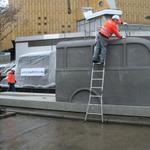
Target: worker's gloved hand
125	23
123	37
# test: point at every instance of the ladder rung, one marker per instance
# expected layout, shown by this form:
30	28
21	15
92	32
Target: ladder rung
96	63
95	114
94	87
98	70
96	95
98	79
94	104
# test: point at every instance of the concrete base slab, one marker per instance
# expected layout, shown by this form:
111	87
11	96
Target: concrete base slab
47	103
24	96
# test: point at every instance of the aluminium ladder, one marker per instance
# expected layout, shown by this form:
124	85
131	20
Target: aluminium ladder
100	72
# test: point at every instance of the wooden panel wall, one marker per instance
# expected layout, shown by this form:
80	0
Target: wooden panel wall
135	11
48	16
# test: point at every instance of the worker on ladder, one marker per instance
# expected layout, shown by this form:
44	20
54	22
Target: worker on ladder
110	27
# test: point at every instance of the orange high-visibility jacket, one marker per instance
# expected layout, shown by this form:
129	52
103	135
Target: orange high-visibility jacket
109	28
11	78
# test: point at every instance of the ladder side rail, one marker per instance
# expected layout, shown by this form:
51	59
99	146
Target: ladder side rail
91	82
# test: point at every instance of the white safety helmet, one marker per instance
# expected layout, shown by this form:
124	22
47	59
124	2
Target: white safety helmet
115	17
13	69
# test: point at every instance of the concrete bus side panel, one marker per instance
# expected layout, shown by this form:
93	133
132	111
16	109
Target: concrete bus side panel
127	78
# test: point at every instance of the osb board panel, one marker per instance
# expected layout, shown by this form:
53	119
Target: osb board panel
135	11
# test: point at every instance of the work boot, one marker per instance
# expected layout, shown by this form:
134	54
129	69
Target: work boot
95	61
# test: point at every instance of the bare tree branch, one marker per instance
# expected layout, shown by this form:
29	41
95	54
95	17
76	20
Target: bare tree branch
7	18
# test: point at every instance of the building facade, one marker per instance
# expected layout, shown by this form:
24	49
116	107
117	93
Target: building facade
60	16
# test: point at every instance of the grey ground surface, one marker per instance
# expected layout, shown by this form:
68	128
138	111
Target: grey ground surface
22	132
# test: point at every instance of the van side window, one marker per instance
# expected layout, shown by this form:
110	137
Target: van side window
137	55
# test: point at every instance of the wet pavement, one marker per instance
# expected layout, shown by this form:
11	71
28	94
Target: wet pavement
22	132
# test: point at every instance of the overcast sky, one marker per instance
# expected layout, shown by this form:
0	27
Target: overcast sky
3	3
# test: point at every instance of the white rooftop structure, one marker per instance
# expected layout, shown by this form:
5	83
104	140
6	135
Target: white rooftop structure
89	14
41	43
50	36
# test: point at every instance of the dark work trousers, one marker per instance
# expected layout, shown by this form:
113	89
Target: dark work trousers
100	49
11	87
